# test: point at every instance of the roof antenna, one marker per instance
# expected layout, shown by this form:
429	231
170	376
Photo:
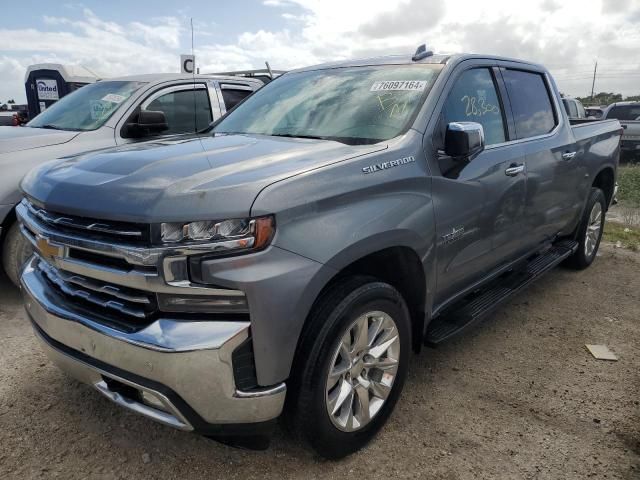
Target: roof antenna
193	76
421	52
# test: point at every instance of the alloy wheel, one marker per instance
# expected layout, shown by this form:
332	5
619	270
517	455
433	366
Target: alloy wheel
593	230
363	368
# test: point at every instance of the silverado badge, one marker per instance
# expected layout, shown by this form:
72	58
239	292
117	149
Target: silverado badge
385	165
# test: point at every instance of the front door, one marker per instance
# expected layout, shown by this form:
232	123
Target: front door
479	205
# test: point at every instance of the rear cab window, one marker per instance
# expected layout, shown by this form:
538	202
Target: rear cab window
531	104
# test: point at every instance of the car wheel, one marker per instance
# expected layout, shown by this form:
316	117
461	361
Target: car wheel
353	361
590	230
16	250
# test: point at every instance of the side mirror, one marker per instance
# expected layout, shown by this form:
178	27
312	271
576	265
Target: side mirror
148	122
464	140
153	121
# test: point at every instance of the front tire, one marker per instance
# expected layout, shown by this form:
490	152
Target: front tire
16	250
589	231
353	359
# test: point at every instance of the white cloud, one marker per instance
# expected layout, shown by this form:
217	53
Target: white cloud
566	35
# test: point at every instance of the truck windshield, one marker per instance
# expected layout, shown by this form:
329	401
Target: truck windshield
354	105
88	108
625	112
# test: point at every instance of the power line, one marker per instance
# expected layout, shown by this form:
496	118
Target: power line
593	84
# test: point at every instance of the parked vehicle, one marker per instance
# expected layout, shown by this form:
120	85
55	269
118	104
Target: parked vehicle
574	108
46	83
105	114
340	217
6	117
20	118
594	112
11	114
628	113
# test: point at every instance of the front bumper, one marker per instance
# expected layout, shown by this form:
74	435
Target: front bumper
631	144
176	372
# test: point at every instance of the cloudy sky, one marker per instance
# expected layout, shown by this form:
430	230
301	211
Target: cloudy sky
136	36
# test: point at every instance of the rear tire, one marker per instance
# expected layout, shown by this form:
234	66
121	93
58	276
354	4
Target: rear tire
350	366
589	231
16	250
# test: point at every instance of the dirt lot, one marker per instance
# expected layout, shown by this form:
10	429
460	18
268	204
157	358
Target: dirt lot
517	397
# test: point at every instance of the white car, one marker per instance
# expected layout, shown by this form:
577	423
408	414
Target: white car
106	114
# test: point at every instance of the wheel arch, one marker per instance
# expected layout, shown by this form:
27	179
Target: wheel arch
397	263
8	218
605	181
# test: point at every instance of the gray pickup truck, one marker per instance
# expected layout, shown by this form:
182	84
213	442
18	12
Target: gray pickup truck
287	264
104	114
628	113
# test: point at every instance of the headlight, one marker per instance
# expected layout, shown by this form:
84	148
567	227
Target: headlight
235	234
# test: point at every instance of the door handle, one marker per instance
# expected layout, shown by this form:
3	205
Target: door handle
514	170
568	155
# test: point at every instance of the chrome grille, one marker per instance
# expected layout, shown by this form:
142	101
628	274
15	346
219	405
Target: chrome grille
132	303
126	232
117	282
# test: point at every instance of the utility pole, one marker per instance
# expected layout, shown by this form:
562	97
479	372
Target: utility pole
593	84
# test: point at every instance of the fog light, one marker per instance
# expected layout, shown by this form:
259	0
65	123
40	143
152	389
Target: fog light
223	301
151	400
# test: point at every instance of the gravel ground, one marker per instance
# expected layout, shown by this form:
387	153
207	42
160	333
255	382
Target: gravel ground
517	397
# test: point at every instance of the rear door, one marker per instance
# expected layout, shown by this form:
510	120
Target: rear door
554	166
478	205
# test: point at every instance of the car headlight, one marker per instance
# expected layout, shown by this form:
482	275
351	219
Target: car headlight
235	234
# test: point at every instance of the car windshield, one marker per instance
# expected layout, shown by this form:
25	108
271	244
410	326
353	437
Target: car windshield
625	112
354	105
88	108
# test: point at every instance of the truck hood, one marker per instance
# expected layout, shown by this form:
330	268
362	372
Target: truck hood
15	139
180	179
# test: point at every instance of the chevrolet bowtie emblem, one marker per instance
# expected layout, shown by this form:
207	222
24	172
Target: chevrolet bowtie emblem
48	249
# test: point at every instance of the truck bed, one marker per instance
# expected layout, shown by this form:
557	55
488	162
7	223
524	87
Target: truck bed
587	129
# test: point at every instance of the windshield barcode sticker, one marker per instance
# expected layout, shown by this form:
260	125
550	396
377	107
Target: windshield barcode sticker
113	98
398	85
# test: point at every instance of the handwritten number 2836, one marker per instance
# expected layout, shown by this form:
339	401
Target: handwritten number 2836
475	107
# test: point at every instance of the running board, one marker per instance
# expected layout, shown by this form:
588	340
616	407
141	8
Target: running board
475	306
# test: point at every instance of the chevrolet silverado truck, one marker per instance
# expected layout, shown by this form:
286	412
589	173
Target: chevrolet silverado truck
104	114
287	264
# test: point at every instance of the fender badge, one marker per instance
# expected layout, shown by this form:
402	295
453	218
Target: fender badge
386	165
456	234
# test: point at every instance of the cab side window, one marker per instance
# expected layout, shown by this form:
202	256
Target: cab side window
474	98
570	107
179	107
533	112
233	96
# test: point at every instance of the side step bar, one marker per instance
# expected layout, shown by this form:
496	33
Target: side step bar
478	304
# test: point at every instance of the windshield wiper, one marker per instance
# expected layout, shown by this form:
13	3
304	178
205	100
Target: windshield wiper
51	126
291	135
345	140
